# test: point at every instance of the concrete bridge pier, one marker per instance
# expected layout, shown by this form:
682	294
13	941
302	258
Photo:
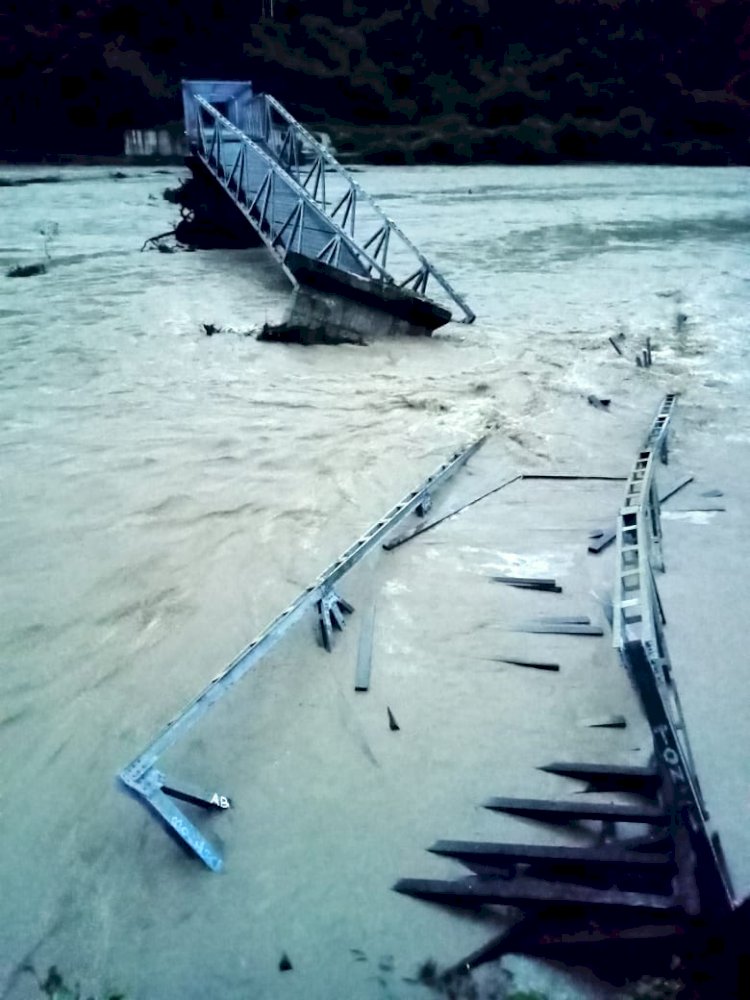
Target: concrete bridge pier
344	304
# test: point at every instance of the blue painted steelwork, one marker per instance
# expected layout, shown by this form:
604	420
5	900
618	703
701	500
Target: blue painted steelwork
657	439
298	197
638	635
150	784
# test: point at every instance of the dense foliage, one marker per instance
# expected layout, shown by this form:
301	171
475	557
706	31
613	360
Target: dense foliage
644	80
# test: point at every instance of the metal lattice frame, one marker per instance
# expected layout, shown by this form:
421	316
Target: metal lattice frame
638	635
150	784
619	888
298	197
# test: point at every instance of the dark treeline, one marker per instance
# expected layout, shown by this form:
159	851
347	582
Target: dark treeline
531	81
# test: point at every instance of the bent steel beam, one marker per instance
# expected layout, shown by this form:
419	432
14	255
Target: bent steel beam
299	199
141	775
638	636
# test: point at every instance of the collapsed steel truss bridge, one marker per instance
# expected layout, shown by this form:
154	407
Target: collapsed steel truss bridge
299	199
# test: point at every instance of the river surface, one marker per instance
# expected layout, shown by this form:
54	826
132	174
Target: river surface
164	494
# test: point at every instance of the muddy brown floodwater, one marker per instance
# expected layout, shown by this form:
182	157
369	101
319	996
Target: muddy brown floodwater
165	494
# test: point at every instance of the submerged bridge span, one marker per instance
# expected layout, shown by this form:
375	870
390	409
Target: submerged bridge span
324	230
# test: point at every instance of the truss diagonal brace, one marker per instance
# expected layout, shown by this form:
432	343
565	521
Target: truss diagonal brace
149	785
331	611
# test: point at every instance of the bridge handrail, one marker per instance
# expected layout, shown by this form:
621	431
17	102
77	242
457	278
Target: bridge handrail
639	549
287	178
469	315
262	129
638	636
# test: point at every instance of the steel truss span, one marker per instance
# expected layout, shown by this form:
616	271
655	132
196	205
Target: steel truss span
299	198
142	775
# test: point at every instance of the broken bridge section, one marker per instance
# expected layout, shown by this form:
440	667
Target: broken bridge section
350	264
655	868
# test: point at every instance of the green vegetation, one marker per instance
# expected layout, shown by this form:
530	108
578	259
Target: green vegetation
417	80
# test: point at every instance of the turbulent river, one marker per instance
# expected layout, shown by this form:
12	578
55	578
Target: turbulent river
164	494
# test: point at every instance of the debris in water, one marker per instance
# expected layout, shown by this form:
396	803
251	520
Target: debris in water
153	241
400	539
676	488
529	583
536	664
602	539
25	270
173	195
296	333
605	722
600	404
427	972
364	653
558	628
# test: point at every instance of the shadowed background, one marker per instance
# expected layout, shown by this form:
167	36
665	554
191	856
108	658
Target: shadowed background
419	80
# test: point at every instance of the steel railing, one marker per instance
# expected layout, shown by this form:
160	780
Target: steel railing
638	635
141	775
298	197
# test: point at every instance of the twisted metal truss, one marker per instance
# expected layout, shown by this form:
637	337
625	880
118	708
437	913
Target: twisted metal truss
298	197
638	635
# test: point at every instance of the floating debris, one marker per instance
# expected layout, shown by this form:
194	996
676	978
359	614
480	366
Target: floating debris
602	539
605	722
598	403
400	539
529	583
573	478
25	270
364	653
559	628
676	488
535	664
